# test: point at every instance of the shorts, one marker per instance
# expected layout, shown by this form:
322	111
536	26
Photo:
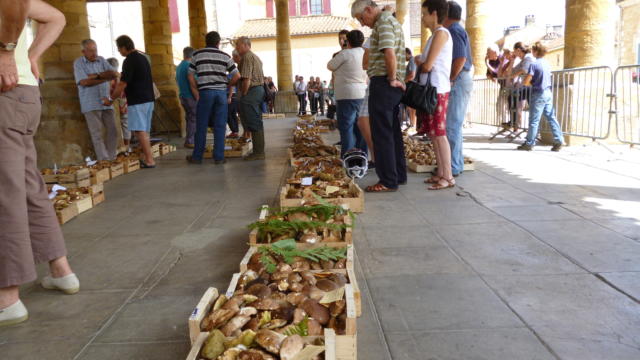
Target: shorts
140	117
364	108
436	124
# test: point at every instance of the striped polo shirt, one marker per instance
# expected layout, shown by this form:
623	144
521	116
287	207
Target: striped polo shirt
212	67
387	34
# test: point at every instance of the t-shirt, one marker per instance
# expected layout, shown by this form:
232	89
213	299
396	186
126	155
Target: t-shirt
251	68
387	34
541	75
136	73
411	65
301	88
350	81
492	69
25	76
91	96
182	78
211	67
461	45
441	71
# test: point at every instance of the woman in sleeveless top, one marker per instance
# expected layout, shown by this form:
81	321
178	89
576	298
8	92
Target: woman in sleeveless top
435	64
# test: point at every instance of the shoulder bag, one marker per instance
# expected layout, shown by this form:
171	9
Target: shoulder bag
423	98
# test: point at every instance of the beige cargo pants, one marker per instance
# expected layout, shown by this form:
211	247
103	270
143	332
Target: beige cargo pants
29	230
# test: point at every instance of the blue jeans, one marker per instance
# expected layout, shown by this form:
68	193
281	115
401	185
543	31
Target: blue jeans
458	101
542	103
347	114
212	104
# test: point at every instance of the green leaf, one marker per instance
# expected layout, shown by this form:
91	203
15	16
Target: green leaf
285	244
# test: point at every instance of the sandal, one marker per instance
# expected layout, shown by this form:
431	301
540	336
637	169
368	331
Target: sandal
433	180
438	186
379	188
144	165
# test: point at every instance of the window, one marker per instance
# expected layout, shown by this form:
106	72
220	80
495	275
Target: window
316	7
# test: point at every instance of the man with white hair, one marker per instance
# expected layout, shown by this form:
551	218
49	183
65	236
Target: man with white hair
387	67
93	75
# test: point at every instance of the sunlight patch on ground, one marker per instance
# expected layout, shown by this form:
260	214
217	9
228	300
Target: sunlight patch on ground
622	208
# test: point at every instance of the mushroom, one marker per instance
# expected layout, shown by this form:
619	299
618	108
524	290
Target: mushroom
214	345
308	277
296	287
270	340
310	238
248	277
339	279
341	264
294	277
233	303
296	298
235	324
300	264
217	319
299	216
314	328
337	307
231	354
316	311
326	285
290	347
274	324
298	315
252	324
248	311
283	285
316	266
219	302
261	291
313	292
254	354
266	304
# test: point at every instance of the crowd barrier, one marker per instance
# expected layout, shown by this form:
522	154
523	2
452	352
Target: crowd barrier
587	101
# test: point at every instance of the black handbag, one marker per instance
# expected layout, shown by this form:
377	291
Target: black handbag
423	98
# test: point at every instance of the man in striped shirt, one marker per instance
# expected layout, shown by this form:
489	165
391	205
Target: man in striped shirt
387	67
209	79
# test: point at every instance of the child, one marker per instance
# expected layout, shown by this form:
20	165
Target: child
539	76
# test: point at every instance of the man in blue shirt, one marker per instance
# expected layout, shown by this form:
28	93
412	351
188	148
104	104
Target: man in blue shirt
461	85
187	99
93	75
539	76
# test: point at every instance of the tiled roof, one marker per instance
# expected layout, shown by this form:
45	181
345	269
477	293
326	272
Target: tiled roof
299	25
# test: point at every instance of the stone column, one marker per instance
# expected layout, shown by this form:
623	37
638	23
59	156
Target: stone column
478	12
157	38
589	33
401	10
425	33
286	100
197	23
63	137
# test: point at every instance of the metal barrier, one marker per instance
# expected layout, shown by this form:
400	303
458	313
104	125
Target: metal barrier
583	100
627	104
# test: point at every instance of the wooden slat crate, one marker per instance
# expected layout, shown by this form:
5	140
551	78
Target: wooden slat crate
295	161
131	164
84	204
355	204
155	150
67	214
244	151
99	176
264	212
80	178
97	194
345	345
116	170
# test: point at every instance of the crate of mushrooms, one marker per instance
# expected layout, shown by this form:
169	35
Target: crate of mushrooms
337	192
313	225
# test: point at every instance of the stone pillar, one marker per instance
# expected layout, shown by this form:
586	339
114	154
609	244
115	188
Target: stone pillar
157	38
589	33
63	137
197	23
425	34
478	13
401	10
286	100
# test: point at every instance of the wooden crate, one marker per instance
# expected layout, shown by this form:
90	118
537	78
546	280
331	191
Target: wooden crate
155	150
164	149
83	204
116	170
295	161
97	194
244	151
99	176
80	178
355	204
349	270
347	343
336	347
67	214
130	165
264	212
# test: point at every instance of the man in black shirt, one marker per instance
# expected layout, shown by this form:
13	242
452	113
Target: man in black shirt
136	79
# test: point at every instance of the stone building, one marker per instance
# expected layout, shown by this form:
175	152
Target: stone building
629	32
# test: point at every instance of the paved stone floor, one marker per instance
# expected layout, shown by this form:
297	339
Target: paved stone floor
533	256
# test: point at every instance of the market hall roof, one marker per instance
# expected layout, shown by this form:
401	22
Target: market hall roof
299	25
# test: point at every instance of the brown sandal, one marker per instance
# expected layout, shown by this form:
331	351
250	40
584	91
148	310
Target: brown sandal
438	186
433	180
378	188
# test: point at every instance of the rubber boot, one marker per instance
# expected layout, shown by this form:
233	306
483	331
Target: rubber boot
258	146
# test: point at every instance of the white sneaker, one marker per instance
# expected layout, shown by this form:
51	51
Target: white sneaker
13	314
68	284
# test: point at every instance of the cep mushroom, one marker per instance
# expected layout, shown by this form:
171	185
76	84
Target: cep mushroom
316	311
270	340
291	346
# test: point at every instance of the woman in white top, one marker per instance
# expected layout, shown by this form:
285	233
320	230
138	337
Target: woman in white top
350	82
435	64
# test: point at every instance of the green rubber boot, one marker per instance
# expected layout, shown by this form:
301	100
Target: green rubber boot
258	146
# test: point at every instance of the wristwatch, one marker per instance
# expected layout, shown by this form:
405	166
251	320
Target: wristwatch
8	46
